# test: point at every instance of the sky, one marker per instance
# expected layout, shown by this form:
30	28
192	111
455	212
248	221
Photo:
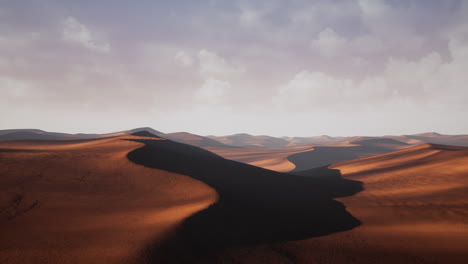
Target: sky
217	67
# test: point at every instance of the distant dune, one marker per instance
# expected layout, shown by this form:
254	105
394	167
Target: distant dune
238	140
249	141
326	155
433	138
246	140
194	140
271	158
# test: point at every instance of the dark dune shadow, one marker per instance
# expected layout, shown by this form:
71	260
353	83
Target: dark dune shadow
255	205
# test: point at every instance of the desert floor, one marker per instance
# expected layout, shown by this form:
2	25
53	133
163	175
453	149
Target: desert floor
134	199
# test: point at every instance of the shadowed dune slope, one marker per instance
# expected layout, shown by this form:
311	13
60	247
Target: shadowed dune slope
255	205
83	201
326	155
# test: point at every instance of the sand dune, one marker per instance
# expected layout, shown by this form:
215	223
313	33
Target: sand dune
256	205
414	209
91	201
87	201
238	140
246	140
271	158
433	138
194	140
83	201
326	155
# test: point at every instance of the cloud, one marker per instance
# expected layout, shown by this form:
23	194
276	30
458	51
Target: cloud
183	58
426	81
14	88
212	91
213	65
308	88
330	44
374	8
75	32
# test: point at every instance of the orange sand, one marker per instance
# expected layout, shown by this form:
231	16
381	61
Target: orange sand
85	202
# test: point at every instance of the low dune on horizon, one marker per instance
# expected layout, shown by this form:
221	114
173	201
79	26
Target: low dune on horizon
137	197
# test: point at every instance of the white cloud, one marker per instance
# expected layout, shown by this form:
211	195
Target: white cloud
213	65
373	7
14	88
311	89
3	62
251	14
183	58
329	43
426	81
367	44
212	91
75	32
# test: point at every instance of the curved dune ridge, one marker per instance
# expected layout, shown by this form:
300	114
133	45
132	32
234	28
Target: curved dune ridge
255	205
83	201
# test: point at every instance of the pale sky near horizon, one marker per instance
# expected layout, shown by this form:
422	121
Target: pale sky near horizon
216	67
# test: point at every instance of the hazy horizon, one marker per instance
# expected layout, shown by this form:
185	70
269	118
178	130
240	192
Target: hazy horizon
220	135
215	67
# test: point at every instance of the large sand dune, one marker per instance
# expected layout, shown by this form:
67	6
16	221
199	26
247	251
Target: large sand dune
85	202
255	205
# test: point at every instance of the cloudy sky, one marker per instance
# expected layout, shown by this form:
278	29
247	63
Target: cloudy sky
295	68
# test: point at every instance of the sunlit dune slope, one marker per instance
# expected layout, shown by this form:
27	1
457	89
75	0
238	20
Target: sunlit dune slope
83	201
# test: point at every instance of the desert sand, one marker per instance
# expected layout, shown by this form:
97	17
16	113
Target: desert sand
142	199
303	157
85	202
414	209
272	158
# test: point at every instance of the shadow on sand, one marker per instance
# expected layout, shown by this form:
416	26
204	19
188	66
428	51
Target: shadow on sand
255	205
